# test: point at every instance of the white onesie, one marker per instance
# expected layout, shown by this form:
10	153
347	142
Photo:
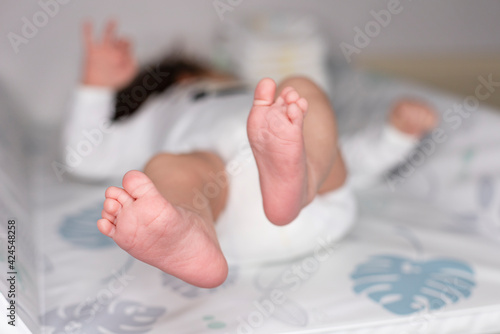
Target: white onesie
175	122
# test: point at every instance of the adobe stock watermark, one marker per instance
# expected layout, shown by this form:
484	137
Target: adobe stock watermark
449	288
139	92
223	6
32	24
91	139
454	117
290	280
220	181
92	306
363	37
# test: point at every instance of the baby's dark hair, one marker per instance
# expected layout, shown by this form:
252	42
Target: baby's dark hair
154	79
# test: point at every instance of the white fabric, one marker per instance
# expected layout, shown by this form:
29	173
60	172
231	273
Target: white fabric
94	148
371	152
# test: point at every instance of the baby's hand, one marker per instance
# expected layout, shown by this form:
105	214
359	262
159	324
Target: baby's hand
413	118
108	63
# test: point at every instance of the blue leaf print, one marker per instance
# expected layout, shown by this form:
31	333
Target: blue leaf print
121	317
81	229
404	286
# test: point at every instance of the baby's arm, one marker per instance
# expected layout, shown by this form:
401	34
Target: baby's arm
92	148
371	153
95	148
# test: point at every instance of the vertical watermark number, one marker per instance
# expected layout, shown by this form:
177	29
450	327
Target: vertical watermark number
11	272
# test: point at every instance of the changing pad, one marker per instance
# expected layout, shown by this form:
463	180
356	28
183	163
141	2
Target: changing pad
422	258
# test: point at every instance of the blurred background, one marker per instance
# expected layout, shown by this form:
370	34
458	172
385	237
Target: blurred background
446	44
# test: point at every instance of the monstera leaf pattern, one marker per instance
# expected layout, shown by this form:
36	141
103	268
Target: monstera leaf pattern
81	230
118	317
404	286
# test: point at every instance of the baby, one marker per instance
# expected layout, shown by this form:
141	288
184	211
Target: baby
291	130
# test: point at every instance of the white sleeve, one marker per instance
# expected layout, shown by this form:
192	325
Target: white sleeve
93	147
371	153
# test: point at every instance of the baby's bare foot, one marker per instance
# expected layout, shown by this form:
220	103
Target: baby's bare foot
275	131
413	118
174	239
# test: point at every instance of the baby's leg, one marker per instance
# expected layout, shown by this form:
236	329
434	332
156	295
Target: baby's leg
165	216
297	156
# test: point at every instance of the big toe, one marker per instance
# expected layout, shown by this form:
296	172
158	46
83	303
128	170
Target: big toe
264	92
137	184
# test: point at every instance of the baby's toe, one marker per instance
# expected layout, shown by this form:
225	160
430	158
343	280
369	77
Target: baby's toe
295	114
106	227
292	96
111	206
280	101
303	104
137	184
264	92
106	215
120	195
285	91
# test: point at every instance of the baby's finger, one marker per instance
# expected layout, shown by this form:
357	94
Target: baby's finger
124	45
121	45
109	32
